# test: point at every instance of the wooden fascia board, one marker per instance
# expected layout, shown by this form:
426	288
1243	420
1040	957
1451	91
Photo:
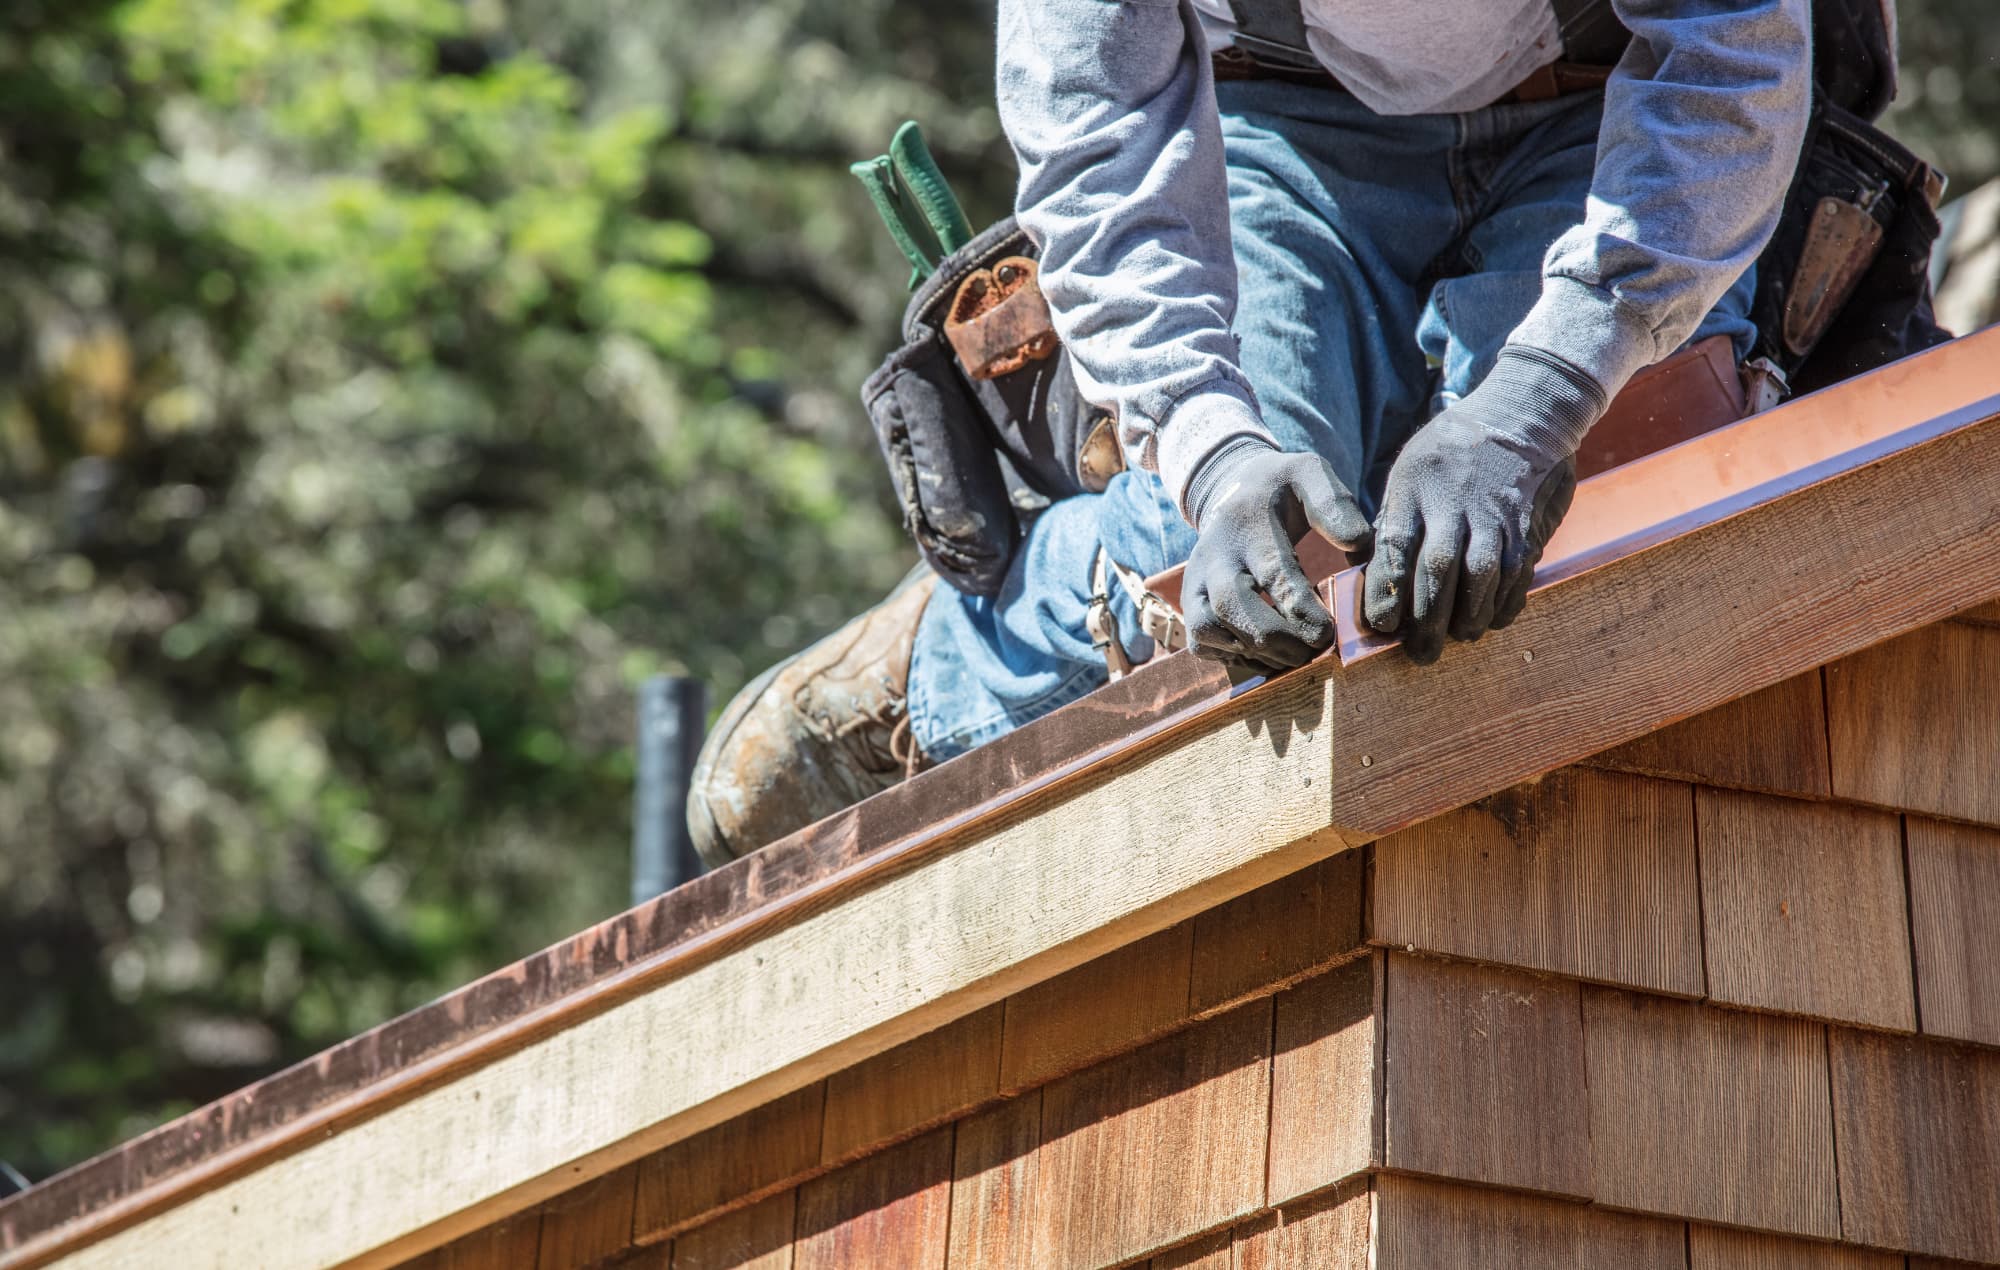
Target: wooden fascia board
1896	531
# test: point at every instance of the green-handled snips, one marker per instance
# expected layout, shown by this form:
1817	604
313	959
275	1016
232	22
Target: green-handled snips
916	204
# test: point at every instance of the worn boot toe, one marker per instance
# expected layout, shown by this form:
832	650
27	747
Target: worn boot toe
814	734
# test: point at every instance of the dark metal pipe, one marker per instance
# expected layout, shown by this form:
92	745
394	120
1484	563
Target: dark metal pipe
673	716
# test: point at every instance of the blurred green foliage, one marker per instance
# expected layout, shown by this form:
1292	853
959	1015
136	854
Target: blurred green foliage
386	386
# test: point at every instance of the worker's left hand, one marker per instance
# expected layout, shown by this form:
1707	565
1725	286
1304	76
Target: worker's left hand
1471	501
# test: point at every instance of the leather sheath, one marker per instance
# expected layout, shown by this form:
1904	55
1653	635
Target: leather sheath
998	321
1841	242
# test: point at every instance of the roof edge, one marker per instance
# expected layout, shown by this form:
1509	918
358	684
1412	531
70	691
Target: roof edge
1923	426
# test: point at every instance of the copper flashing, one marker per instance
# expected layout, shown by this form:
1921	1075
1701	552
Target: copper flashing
1616	515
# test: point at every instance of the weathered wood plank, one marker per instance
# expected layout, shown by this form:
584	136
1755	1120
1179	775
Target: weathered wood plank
1982	615
1101	1008
891	1210
917	1084
1211	1252
1145	1151
1772	740
659	1256
508	1244
1602	654
1918	1122
1804	909
993	1186
1423	1225
1330	1231
1712	1248
1913	723
755	1238
588	1223
1955	925
1326	1080
764	1147
1279	931
1585	873
1485	1076
1709	1114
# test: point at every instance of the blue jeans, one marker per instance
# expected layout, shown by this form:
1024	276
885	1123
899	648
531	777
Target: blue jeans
1381	262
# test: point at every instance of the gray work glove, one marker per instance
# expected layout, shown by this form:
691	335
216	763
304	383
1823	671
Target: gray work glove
1249	504
1473	498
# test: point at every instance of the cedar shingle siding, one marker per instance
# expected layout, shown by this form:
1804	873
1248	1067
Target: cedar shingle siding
1388	1050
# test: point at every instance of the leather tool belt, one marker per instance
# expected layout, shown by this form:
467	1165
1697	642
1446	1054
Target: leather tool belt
978	413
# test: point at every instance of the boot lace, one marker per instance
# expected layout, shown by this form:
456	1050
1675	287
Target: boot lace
882	738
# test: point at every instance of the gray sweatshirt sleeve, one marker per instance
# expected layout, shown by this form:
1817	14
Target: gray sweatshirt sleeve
1703	120
1110	106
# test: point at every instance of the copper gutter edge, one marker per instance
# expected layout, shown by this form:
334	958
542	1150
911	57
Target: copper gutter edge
1742	466
1721	474
1356	642
619	986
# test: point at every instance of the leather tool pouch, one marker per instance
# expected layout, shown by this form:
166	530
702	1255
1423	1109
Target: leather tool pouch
978	413
942	463
1843	286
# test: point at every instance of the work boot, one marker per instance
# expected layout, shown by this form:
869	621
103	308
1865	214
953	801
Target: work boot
815	733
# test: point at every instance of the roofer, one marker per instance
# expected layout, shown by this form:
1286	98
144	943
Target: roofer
1375	267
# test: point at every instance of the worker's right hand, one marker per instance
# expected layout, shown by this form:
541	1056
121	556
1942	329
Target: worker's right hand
1243	596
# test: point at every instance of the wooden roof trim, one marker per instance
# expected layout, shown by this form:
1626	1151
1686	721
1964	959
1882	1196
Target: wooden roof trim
808	874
